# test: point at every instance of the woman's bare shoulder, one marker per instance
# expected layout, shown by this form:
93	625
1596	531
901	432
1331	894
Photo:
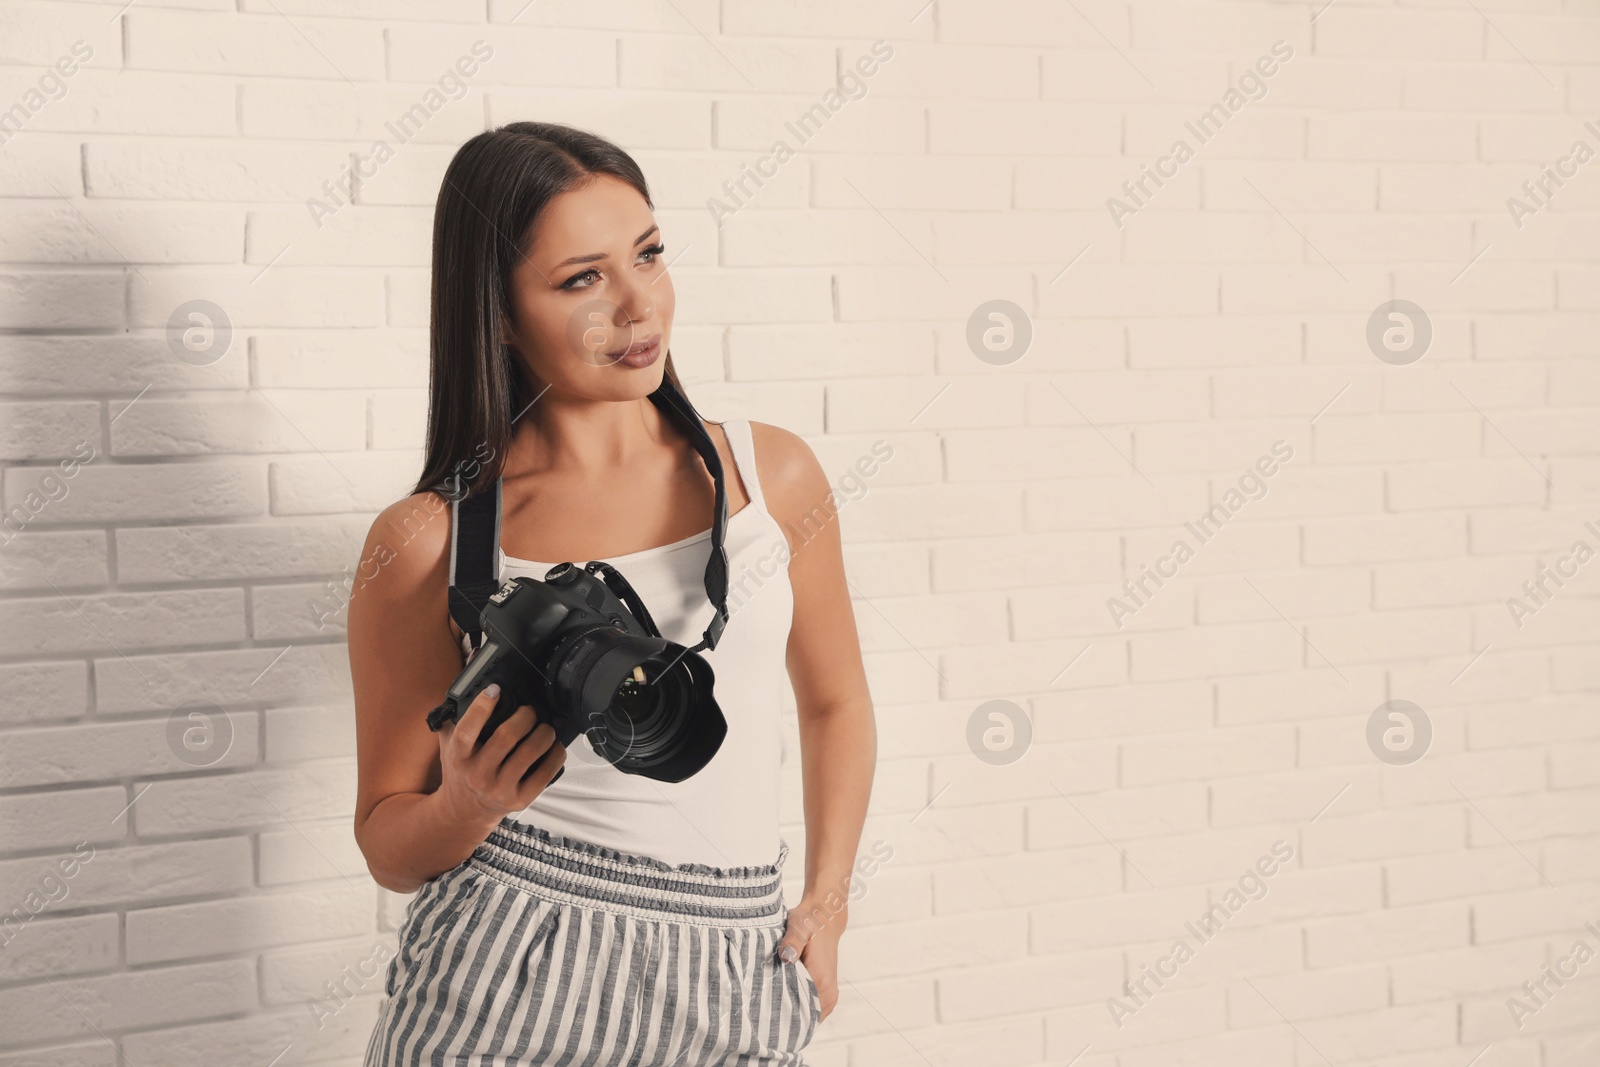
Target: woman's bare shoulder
407	547
792	478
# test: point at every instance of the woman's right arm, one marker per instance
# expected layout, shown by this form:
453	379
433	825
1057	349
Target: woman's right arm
425	801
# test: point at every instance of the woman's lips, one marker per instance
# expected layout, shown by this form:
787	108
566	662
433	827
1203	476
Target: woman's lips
641	353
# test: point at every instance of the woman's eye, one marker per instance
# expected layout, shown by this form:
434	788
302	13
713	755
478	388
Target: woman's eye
587	277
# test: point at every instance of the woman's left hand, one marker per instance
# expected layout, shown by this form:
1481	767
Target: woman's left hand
813	932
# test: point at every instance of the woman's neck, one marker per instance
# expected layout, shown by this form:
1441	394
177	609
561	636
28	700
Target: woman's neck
584	438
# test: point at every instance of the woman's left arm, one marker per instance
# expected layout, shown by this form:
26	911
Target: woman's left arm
838	735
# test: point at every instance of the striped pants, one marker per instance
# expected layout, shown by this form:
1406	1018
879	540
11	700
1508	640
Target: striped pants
540	949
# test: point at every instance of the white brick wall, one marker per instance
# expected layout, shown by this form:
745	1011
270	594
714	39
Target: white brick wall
173	571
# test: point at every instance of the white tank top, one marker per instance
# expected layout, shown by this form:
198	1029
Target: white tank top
727	814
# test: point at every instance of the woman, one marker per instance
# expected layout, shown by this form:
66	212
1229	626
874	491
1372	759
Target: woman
603	917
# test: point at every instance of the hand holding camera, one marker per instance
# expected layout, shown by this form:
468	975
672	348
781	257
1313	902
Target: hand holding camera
581	646
487	773
592	659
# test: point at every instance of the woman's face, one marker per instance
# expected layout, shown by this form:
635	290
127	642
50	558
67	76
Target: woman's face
592	291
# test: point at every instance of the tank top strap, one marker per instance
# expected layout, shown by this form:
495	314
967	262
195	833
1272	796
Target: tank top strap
742	441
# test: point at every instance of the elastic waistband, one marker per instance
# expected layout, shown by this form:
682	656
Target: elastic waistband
581	872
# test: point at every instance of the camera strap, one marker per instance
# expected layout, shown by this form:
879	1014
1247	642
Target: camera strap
475	533
474	544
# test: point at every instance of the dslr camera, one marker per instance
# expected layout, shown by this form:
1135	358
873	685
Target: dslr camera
585	654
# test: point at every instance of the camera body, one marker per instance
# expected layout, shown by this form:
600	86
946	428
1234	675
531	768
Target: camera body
588	663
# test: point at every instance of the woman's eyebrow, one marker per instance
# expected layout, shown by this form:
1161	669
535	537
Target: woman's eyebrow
601	255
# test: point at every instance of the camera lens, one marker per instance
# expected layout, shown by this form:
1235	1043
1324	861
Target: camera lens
646	703
647	713
636	697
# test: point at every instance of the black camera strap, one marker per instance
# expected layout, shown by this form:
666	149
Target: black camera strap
474	541
475	533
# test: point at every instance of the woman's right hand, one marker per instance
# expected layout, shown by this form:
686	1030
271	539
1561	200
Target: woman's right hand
481	785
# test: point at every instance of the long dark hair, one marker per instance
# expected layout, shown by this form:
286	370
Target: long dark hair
494	190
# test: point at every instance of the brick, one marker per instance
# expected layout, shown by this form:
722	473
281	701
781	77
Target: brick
1452	875
1299	895
158	681
926	622
1123	710
1385	635
309	733
1170	1015
259	798
36	692
355	359
1394	1029
38	35
177	931
1326	591
521	55
867	349
151	997
311	854
340	482
1393	932
300	977
1303	795
1316	692
1143	915
41	168
64	300
136	233
107	749
690	63
284	422
1089	27
961	184
1034	453
1401	34
41	366
49	947
337	234
1236	446
1002	237
1033	983
1342	837
925	71
222	170
1121	815
1495	820
1191	756
1309	995
1029	878
894	512
1134	290
71	559
239	552
1376	538
955	942
141	492
1238	648
112	622
1520	723
1105	504
193	42
1216	858
110	876
1402	136
1397	439
1464	972
1262	1046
